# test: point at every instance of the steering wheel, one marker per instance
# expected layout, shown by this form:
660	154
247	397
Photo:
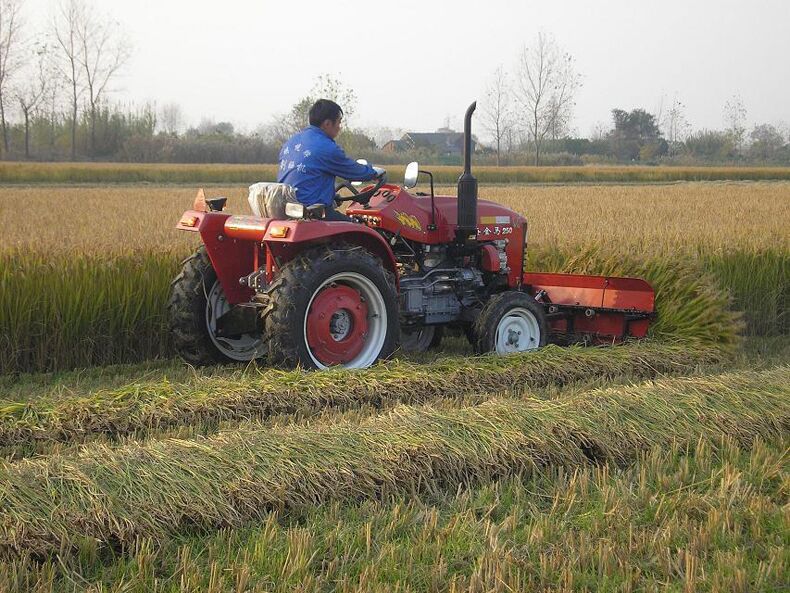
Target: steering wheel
344	183
360	197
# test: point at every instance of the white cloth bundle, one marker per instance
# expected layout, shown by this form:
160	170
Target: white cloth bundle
269	199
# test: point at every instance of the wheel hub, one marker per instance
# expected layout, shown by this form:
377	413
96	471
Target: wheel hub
337	324
517	331
512	337
340	325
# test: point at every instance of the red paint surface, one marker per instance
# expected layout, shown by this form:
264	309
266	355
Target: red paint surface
593	291
489	258
331	300
392	202
231	257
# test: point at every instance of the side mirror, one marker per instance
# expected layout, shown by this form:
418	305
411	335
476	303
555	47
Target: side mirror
410	177
361	162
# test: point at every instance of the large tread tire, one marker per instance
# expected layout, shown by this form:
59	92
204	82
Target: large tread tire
286	300
483	331
187	312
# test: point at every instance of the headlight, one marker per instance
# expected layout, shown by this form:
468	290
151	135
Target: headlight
293	210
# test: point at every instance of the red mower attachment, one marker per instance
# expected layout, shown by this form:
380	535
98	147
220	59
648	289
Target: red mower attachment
596	309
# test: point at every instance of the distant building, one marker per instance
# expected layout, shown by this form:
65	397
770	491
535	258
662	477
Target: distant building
444	142
396	146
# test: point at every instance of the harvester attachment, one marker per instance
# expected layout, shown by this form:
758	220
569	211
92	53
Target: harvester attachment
593	309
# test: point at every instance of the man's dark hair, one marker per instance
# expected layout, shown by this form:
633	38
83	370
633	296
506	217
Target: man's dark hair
322	110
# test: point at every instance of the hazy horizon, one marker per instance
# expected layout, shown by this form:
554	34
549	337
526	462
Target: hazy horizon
417	64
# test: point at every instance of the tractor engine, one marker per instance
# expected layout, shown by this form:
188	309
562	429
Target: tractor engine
439	290
440	295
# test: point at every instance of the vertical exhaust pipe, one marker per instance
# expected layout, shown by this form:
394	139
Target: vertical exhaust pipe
467	187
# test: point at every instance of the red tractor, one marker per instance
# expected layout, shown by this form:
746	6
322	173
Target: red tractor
299	290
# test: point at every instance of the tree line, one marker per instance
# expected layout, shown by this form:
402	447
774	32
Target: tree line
56	104
530	112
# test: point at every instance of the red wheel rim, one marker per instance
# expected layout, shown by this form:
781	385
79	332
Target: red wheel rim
337	325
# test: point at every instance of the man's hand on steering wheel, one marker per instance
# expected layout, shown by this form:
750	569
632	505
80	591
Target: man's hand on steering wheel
360	197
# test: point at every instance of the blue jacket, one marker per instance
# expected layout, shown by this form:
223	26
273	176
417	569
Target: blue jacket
310	160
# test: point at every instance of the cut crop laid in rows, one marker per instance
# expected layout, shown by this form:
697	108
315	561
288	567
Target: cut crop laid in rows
114	496
140	408
716	509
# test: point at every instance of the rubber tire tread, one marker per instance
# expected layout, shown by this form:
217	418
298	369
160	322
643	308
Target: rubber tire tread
483	331
286	299
187	311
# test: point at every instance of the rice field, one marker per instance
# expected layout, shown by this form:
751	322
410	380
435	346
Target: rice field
655	466
84	283
200	404
705	518
28	172
671	218
118	494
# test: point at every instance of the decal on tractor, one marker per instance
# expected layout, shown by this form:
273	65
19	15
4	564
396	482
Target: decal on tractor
494	220
408	220
495	230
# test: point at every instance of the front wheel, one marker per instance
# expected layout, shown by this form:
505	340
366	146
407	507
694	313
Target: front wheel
331	307
510	322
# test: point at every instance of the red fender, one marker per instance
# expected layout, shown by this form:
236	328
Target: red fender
303	234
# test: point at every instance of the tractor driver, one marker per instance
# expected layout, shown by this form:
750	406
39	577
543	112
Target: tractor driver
310	160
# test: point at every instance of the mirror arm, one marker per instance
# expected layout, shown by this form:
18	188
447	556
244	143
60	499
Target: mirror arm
432	226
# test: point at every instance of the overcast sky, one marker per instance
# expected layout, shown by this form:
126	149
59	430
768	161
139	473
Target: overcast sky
415	63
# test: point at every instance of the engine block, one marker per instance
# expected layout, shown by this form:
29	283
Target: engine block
438	296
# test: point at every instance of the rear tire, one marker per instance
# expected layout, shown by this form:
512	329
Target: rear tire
331	306
510	322
196	300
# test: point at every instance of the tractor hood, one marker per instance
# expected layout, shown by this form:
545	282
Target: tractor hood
394	209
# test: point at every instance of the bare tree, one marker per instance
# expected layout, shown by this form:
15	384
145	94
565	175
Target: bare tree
497	113
547	83
600	131
560	126
333	88
31	93
326	86
171	118
735	118
51	105
10	26
103	50
674	124
71	15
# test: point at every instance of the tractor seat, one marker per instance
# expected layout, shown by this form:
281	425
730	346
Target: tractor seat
268	200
